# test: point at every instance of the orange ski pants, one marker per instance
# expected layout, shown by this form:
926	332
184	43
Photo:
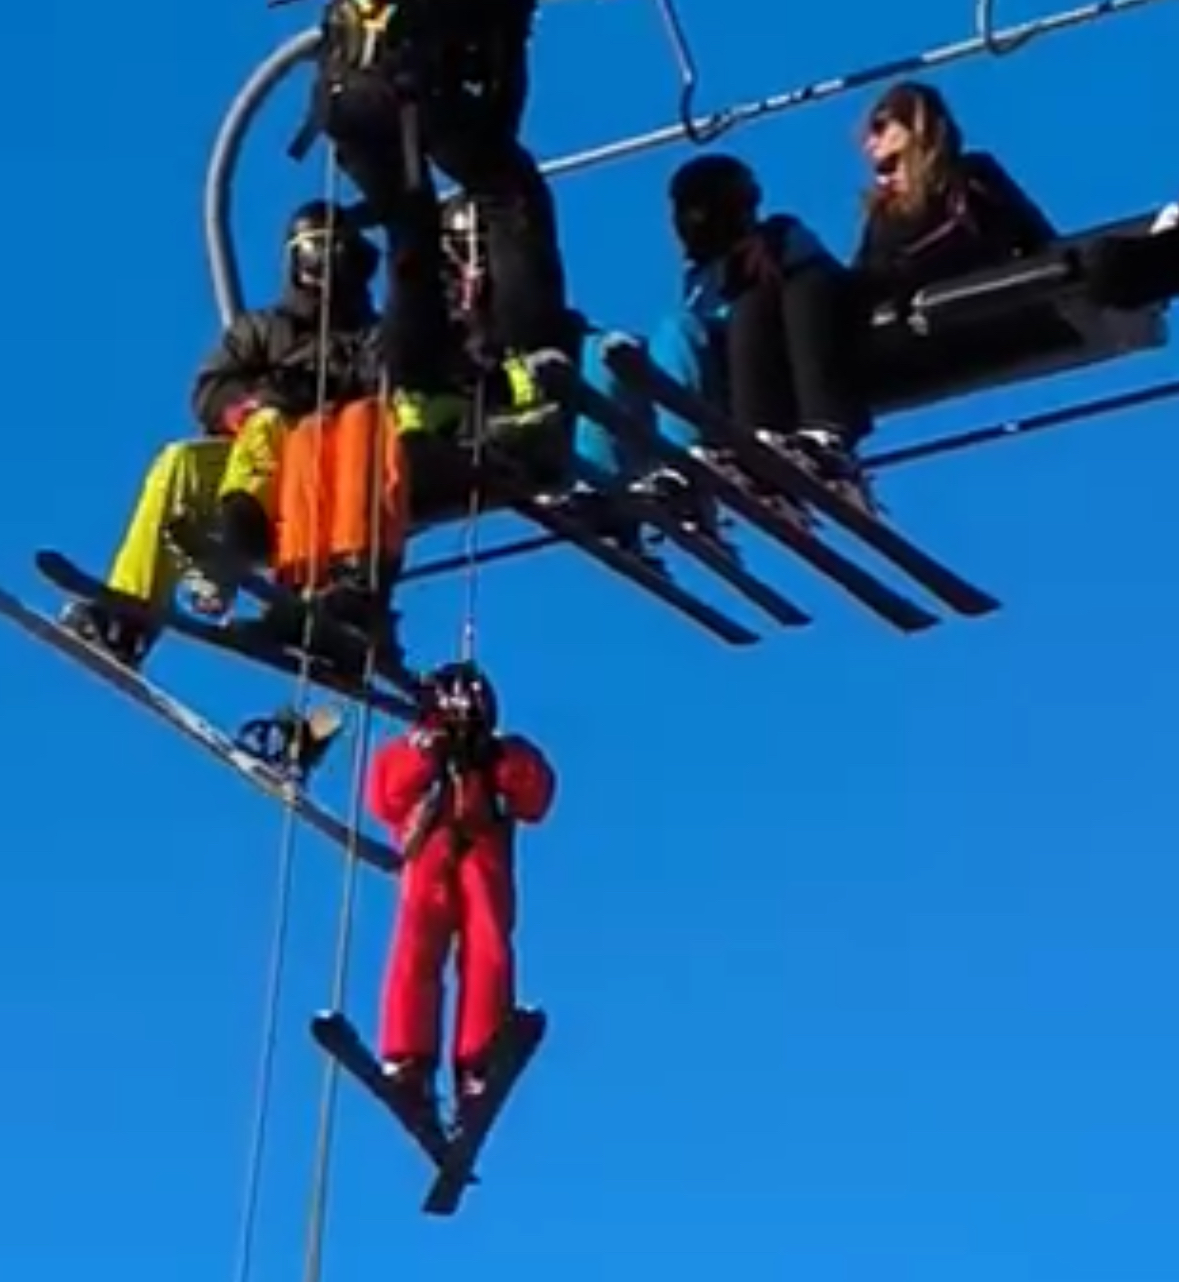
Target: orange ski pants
343	491
468	903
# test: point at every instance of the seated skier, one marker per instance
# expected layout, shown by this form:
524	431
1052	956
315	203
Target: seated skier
935	210
766	328
463	68
258	390
452	791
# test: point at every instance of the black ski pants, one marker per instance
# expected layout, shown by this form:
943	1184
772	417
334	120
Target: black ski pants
473	138
794	341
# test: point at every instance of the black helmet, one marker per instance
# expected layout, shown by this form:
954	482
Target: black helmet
461	692
714	200
715	179
322	245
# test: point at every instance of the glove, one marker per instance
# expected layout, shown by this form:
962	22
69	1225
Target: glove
237	416
431	740
469	746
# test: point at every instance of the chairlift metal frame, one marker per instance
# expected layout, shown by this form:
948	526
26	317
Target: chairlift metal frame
224	263
700	129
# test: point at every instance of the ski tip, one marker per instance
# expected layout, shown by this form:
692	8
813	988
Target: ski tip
47	560
324	1019
979	605
531	1018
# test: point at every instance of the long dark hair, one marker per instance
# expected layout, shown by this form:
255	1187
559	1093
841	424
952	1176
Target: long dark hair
934	150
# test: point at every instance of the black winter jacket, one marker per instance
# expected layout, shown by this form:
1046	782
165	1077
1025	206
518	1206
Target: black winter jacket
980	218
273	355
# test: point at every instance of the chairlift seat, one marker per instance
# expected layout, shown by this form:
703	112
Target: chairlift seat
1026	319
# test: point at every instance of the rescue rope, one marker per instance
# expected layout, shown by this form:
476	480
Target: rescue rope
318	1199
341	966
472	286
301	697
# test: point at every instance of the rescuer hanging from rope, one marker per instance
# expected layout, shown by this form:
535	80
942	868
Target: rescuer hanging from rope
399	86
452	790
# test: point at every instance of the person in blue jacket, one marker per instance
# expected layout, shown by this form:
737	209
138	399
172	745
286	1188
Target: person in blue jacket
764	327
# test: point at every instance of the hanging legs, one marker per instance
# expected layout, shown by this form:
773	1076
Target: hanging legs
793	374
210	482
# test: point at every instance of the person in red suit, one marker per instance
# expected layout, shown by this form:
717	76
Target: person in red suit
452	790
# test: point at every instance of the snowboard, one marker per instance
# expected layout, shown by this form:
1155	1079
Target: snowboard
271	781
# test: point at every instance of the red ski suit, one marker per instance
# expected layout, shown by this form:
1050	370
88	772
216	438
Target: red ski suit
468	898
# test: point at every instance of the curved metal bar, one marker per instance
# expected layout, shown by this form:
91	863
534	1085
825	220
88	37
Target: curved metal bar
710	127
819	90
984	27
219	246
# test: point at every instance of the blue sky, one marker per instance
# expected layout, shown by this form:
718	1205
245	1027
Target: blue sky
860	952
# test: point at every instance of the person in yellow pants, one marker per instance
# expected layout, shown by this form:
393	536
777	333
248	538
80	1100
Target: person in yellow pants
270	372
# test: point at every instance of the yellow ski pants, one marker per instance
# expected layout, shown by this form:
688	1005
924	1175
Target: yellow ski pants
188	478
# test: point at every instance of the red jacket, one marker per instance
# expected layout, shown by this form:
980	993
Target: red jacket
402	772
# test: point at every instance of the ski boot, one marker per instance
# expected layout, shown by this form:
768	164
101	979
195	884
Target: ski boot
128	641
697	513
825	454
594	510
292	744
350	597
470	1089
408	1088
240	532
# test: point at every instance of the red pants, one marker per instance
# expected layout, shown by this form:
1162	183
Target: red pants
469	901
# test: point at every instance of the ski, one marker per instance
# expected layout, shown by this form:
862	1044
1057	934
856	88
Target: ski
554	514
246	639
269	780
778	519
512	1051
337	1036
716	557
773	466
193	542
711	552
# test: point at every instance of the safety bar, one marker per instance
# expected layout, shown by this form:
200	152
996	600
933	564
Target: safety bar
983	295
219	244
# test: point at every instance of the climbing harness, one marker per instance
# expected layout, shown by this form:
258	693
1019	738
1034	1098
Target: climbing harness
466	246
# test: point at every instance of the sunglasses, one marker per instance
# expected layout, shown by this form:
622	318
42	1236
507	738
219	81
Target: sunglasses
880	122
